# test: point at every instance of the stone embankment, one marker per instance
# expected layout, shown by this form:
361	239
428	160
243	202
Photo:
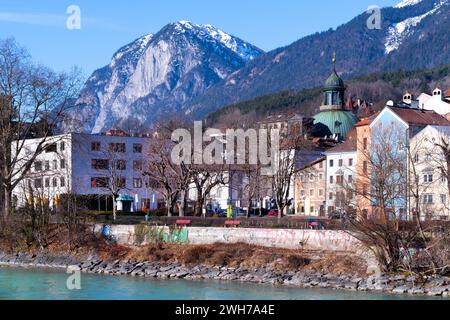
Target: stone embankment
395	284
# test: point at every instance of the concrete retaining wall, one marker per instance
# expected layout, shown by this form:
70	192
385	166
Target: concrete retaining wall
280	238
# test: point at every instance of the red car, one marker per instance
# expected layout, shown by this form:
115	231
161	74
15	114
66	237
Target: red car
273	213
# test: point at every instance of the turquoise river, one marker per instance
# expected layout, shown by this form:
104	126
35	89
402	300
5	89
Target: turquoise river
40	284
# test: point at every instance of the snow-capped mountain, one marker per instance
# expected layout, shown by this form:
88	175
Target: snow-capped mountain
155	75
414	34
400	31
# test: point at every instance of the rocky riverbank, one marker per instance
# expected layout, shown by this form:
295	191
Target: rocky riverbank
395	284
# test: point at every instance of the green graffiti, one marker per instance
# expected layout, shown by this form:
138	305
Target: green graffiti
176	235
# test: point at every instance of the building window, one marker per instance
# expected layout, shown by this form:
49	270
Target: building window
311	193
38	183
100	164
99	182
302	193
55	164
121	182
320	176
340	180
54	183
38	166
443	198
365	192
137	165
321	165
137	183
365	143
350	179
321	192
312	209
427	199
95	146
365	167
331	179
47	165
137	148
350	162
428	177
117	147
47	182
62	146
62	182
341	163
51	148
330	196
416	158
121	165
63	163
331	163
350	195
311	177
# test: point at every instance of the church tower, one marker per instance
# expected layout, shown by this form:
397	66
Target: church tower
332	112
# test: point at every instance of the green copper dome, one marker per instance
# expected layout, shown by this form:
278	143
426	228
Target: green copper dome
338	121
334	82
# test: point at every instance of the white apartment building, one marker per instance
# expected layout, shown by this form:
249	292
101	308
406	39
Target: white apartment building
85	164
427	173
341	175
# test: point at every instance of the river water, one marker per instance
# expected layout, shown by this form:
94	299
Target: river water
25	284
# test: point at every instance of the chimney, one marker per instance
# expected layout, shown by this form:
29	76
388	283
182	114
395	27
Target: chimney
408	98
437	93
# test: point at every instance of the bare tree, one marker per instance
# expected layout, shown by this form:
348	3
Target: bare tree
33	102
169	179
292	142
387	181
205	180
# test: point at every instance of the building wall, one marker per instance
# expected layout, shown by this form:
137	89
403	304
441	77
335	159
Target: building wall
78	172
388	130
339	193
363	172
310	191
51	172
426	175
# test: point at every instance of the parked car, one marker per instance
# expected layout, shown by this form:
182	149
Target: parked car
242	212
274	213
258	212
222	213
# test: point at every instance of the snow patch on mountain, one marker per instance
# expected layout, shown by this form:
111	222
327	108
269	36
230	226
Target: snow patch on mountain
243	49
405	3
402	30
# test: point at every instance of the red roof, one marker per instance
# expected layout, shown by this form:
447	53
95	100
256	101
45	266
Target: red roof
420	117
447	93
349	145
367	121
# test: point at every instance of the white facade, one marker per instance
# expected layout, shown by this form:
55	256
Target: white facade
427	175
436	102
81	164
340	180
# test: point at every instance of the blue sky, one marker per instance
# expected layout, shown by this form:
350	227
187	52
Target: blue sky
40	25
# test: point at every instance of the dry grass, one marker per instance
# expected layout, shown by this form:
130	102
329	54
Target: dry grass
250	257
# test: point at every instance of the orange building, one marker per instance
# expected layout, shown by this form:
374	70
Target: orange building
363	202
